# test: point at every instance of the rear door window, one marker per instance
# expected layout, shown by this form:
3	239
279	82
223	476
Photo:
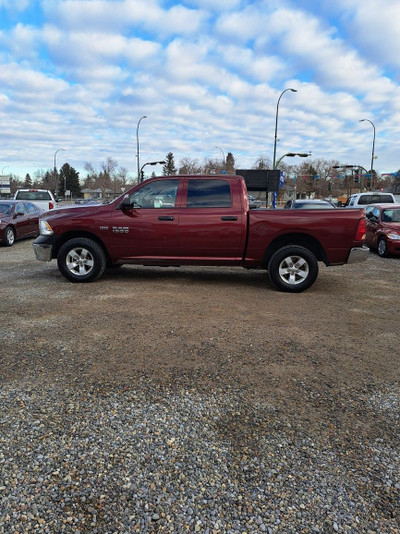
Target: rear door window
31	208
209	194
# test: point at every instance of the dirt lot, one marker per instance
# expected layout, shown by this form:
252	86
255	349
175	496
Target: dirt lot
308	387
310	353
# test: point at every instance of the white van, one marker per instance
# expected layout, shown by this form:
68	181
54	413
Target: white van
360	200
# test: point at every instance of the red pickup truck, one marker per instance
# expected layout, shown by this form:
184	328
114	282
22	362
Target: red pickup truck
199	220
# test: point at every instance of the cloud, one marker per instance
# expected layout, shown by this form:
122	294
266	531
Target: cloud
126	15
14	5
205	72
374	27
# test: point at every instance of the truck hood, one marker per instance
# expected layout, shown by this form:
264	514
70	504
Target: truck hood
75	210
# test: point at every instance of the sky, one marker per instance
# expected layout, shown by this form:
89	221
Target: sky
76	76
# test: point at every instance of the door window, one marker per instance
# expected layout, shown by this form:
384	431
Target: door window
209	194
30	207
20	208
159	194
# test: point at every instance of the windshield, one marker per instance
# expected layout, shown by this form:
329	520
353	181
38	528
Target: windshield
5	209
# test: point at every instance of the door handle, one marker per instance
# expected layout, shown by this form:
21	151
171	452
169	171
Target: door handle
229	218
166	218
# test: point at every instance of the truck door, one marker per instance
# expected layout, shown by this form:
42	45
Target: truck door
212	223
149	230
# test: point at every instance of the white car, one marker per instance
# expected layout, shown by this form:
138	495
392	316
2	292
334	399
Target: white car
41	197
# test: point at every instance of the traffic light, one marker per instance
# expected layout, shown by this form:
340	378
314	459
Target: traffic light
356	178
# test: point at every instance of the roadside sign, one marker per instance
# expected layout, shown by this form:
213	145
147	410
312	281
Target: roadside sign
5	185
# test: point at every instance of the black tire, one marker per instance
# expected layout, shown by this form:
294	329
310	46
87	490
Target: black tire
81	260
293	269
382	248
9	236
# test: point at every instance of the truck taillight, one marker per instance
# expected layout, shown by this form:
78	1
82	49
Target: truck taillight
51	206
361	229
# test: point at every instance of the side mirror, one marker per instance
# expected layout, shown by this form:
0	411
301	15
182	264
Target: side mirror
125	204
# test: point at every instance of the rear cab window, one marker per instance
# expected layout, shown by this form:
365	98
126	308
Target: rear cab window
33	195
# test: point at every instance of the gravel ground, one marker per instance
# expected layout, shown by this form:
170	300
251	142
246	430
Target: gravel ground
198	400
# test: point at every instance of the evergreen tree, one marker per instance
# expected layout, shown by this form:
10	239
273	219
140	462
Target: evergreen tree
28	181
69	180
169	168
48	181
230	163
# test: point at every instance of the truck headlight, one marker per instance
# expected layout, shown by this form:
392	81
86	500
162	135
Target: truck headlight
45	228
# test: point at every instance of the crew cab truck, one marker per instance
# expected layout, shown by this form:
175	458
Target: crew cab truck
199	220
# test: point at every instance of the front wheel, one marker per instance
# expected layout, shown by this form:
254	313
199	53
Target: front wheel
81	260
9	236
293	268
382	248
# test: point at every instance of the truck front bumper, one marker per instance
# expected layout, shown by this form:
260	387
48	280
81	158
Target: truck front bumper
43	247
358	254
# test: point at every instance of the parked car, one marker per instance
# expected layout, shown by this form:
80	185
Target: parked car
308	203
43	198
360	200
86	201
383	229
18	220
254	202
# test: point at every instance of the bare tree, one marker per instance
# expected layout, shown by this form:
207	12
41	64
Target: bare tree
190	166
263	162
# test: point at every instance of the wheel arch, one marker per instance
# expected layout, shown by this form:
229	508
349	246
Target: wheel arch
302	240
73	234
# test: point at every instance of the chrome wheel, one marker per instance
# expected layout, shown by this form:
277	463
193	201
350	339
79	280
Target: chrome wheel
79	261
293	270
9	236
382	248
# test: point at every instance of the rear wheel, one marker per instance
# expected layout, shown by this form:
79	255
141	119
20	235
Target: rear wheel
293	268
9	236
382	248
81	260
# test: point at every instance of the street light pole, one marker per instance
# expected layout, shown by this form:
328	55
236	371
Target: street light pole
291	155
55	169
276	123
137	146
149	163
373	152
